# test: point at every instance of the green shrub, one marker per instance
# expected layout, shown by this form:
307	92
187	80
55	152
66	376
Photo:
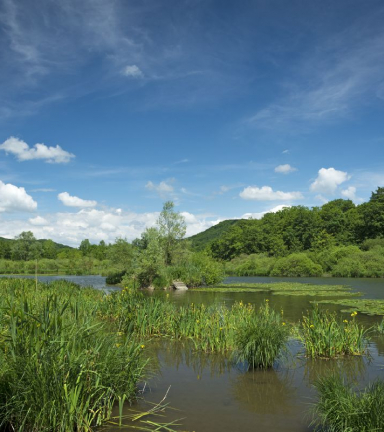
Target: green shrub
115	278
296	265
342	409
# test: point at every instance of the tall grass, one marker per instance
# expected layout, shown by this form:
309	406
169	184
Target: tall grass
261	341
326	335
61	369
342	409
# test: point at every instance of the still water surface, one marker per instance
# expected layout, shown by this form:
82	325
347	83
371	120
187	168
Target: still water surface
211	394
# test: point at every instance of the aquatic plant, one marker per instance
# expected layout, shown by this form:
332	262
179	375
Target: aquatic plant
61	368
340	408
326	335
367	306
262	340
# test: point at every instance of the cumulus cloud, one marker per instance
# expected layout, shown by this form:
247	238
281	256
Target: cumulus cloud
285	169
132	71
13	198
266	193
38	221
74	201
328	180
261	214
107	224
349	193
23	152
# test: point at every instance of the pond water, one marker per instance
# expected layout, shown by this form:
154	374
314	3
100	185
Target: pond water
210	394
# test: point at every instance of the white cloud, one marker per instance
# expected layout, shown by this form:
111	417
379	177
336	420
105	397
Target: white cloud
43	190
266	193
349	193
74	201
328	180
321	198
285	169
108	224
164	188
23	152
38	221
261	214
13	198
132	71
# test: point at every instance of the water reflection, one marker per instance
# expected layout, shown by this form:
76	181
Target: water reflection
352	368
265	392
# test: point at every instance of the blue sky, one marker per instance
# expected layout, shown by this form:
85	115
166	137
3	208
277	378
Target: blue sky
230	109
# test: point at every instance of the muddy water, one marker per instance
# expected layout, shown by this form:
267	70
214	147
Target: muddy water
211	394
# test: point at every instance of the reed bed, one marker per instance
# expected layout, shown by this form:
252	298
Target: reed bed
326	335
341	408
61	368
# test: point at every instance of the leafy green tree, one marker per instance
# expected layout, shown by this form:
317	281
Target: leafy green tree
49	249
121	253
85	247
172	229
149	262
5	249
23	246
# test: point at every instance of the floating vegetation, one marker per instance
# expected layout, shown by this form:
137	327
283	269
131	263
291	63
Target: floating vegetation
366	306
284	288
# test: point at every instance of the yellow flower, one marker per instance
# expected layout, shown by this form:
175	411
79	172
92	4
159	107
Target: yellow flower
283	323
118	345
142	346
267	300
197	321
345	321
353	314
221	328
311	326
120	333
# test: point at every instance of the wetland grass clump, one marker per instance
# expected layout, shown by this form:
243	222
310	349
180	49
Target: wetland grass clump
61	368
325	335
341	408
261	341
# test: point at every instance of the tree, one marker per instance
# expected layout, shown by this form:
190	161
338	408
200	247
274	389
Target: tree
23	247
172	229
121	253
49	249
85	247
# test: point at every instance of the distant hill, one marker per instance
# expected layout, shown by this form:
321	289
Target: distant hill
201	240
58	245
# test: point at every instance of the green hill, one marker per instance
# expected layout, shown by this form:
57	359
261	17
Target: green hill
58	245
201	240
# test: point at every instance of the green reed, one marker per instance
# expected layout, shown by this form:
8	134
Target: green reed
262	340
341	408
61	368
326	335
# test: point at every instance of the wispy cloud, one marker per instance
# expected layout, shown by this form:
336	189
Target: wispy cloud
331	81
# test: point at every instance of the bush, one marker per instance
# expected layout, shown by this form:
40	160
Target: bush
296	265
115	278
251	265
342	409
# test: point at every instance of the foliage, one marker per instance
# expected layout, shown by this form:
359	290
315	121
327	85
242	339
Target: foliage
296	265
261	341
325	335
366	306
172	229
341	408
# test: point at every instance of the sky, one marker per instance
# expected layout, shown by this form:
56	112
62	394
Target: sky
229	109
